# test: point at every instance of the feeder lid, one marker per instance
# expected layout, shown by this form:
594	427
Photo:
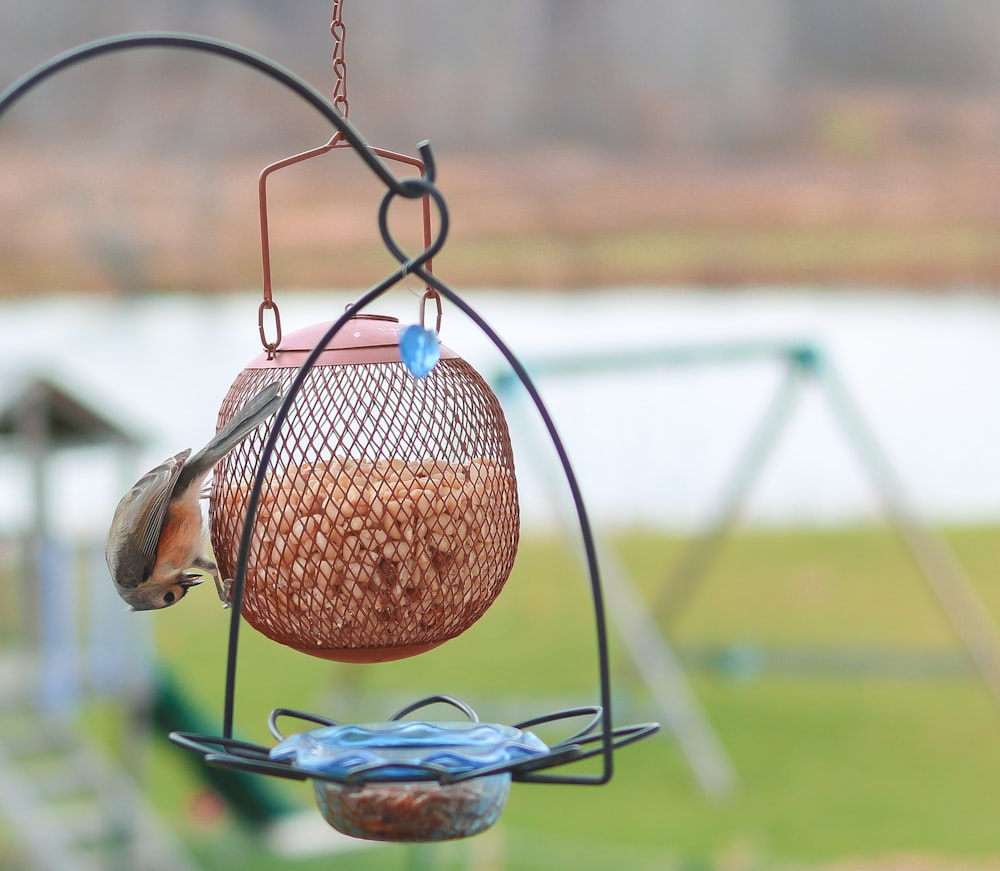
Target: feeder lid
411	750
363	339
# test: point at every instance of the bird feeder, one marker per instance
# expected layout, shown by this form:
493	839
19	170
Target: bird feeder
375	519
388	520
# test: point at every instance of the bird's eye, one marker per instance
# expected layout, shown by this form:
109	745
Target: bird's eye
168	597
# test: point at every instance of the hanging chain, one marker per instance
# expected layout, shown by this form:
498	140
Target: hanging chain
340	104
339	66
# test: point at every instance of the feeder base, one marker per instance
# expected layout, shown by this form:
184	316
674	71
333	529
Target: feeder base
368	654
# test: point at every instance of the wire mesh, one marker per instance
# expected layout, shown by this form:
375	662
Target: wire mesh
389	519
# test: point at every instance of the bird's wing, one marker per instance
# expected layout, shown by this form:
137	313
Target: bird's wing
242	423
138	520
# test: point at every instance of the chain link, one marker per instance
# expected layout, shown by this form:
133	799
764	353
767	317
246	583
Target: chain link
269	345
339	31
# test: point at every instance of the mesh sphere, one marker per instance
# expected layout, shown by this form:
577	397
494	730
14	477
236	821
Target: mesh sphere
388	520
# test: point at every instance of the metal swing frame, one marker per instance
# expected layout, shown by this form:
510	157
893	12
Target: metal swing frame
645	627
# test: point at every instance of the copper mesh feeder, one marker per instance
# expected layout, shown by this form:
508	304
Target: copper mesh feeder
388	520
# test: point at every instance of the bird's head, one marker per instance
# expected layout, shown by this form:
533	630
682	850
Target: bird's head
152	597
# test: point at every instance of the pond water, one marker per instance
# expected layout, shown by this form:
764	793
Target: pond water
651	445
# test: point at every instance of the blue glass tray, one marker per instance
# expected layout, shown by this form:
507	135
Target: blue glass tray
407	750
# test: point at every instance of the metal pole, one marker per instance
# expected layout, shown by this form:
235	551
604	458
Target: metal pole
34	442
695	558
956	595
656	664
663	674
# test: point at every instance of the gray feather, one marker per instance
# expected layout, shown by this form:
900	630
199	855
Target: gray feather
135	528
245	421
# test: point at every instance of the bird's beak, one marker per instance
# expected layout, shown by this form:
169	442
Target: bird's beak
191	581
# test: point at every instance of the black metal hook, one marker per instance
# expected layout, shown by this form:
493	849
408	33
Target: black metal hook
237	754
278	713
416	187
458	704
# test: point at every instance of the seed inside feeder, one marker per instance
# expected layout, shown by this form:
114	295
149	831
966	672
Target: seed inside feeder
389	538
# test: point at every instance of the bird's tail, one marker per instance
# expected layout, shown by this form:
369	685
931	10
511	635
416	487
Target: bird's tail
244	422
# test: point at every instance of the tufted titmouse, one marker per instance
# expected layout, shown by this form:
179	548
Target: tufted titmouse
155	542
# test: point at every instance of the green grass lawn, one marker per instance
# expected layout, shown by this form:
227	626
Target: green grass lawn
830	765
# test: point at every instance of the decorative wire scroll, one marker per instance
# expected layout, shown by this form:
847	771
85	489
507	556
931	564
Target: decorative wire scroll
237	754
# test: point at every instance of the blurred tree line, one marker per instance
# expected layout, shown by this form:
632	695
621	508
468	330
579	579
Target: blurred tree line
634	73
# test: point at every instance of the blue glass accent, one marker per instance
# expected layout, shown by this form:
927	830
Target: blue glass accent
419	349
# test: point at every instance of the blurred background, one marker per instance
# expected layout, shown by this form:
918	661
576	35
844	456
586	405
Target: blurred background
749	250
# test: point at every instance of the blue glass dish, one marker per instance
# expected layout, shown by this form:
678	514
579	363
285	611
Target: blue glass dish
405	750
397	776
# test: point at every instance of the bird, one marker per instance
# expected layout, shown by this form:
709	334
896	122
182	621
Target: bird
154	546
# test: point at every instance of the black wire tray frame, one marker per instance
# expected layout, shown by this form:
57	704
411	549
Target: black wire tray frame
599	738
256	759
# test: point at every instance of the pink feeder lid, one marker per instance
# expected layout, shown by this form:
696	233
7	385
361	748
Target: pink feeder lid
363	339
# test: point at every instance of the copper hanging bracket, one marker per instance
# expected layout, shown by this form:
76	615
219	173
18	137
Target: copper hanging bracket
338	140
